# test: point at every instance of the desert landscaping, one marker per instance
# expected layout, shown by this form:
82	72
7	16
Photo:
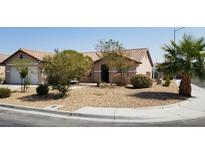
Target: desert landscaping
89	95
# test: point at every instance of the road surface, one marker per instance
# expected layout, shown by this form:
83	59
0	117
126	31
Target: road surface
15	118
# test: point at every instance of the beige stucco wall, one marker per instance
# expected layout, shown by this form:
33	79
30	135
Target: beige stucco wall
113	74
145	66
9	63
2	72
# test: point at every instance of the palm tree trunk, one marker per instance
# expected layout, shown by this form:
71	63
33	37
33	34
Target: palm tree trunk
185	86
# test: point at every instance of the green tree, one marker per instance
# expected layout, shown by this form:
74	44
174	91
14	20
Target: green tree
123	64
22	66
116	57
64	67
187	59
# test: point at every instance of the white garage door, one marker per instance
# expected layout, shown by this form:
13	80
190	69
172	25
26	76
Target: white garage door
33	75
14	76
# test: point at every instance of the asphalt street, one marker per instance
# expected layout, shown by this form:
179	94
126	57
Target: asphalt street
15	118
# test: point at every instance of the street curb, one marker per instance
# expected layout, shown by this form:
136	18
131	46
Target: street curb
69	114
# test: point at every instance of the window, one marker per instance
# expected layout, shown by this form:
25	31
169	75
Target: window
21	56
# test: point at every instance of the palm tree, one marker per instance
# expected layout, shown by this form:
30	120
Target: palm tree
187	59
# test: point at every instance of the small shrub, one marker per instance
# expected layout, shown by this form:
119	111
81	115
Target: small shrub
167	83
102	84
42	90
5	92
171	78
141	81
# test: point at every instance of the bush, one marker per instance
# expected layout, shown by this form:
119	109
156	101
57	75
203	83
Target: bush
171	78
102	84
141	81
5	92
42	90
167	83
64	67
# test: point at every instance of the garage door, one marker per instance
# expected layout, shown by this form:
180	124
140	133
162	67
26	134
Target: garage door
33	75
14	76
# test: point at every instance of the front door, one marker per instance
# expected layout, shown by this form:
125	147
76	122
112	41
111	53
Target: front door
104	73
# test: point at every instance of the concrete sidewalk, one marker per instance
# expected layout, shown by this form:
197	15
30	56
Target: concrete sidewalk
13	86
189	109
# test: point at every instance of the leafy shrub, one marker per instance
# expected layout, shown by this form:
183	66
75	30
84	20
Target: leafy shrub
141	81
167	83
64	67
5	92
42	90
171	78
102	84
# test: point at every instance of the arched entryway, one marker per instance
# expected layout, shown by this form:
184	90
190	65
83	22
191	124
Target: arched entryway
104	73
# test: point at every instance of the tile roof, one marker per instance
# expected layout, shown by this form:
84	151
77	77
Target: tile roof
3	57
134	54
36	54
93	55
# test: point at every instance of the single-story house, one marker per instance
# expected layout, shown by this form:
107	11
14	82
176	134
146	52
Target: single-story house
35	73
2	67
100	71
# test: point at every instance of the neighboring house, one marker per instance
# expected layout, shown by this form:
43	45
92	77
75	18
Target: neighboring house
2	68
100	71
35	73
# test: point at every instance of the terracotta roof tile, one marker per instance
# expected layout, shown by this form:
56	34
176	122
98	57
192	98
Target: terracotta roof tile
3	57
93	55
36	54
134	54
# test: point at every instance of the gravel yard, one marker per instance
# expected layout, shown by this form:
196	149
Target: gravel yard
92	96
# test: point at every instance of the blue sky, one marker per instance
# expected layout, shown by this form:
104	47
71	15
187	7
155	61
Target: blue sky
85	39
